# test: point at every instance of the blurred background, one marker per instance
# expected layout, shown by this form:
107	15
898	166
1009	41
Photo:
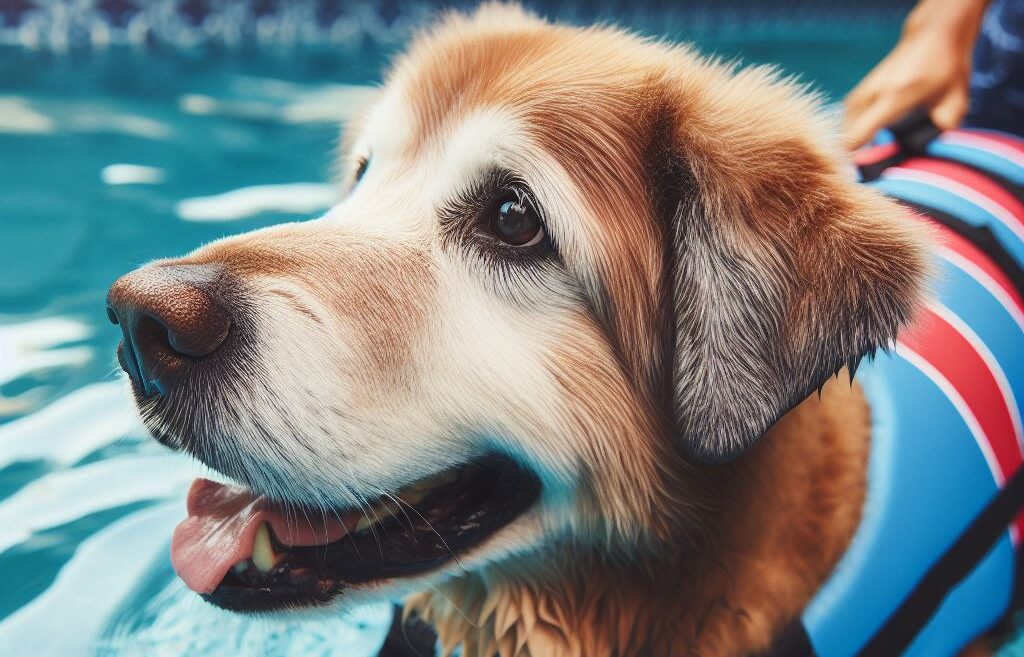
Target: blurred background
131	130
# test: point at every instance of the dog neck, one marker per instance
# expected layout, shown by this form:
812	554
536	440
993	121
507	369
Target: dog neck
737	567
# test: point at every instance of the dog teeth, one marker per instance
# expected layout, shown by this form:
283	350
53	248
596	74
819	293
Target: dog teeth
414	496
410	496
378	513
263	556
418	491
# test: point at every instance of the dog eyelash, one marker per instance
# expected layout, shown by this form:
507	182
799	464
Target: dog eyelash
517	274
466	218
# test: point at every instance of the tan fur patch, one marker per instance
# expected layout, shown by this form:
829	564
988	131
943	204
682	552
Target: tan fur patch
619	430
586	112
378	291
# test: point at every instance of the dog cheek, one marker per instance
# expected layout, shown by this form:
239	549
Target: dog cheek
610	429
382	298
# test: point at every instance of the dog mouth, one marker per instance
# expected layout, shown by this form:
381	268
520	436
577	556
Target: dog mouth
246	553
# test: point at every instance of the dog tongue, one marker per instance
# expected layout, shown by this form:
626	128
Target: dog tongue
221	528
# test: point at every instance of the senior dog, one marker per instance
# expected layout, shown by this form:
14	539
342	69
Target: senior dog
517	375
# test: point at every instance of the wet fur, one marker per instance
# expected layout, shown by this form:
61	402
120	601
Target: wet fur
768	529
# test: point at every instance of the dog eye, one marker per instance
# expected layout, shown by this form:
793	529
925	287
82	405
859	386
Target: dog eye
361	166
515	221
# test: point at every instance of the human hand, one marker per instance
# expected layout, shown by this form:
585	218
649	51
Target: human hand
930	68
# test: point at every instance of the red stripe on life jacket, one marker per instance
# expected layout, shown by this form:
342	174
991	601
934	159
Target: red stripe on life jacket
964	248
953	355
1006	150
971	179
982	138
872	154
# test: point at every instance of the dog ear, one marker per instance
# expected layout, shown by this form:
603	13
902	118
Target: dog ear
783	270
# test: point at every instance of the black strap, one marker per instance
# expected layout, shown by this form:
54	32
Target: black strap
913	133
981	237
970	549
909	619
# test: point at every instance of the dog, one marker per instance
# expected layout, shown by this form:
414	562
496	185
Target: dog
570	368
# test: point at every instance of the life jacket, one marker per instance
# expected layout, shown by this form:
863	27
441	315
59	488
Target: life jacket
934	562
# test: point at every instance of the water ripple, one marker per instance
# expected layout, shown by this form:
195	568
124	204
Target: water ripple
66	619
70	428
67	495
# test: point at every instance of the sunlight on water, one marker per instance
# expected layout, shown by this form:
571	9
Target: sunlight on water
131	174
70	616
268	99
16	116
300	198
145	610
53	116
27	346
70	428
63	496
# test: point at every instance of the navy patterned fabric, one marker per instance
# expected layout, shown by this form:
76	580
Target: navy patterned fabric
997	82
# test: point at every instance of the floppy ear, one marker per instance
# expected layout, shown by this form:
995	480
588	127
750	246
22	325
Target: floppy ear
783	269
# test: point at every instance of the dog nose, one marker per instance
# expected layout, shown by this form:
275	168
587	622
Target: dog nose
167	318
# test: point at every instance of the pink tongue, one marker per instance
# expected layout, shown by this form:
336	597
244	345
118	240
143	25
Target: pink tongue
221	528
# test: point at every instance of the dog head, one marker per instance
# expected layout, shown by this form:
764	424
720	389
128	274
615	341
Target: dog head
568	263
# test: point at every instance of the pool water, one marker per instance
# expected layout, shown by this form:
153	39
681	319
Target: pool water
111	158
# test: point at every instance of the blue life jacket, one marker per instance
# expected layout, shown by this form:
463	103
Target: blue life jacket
933	563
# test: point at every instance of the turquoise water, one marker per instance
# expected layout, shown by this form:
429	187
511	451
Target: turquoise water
87	502
109	159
